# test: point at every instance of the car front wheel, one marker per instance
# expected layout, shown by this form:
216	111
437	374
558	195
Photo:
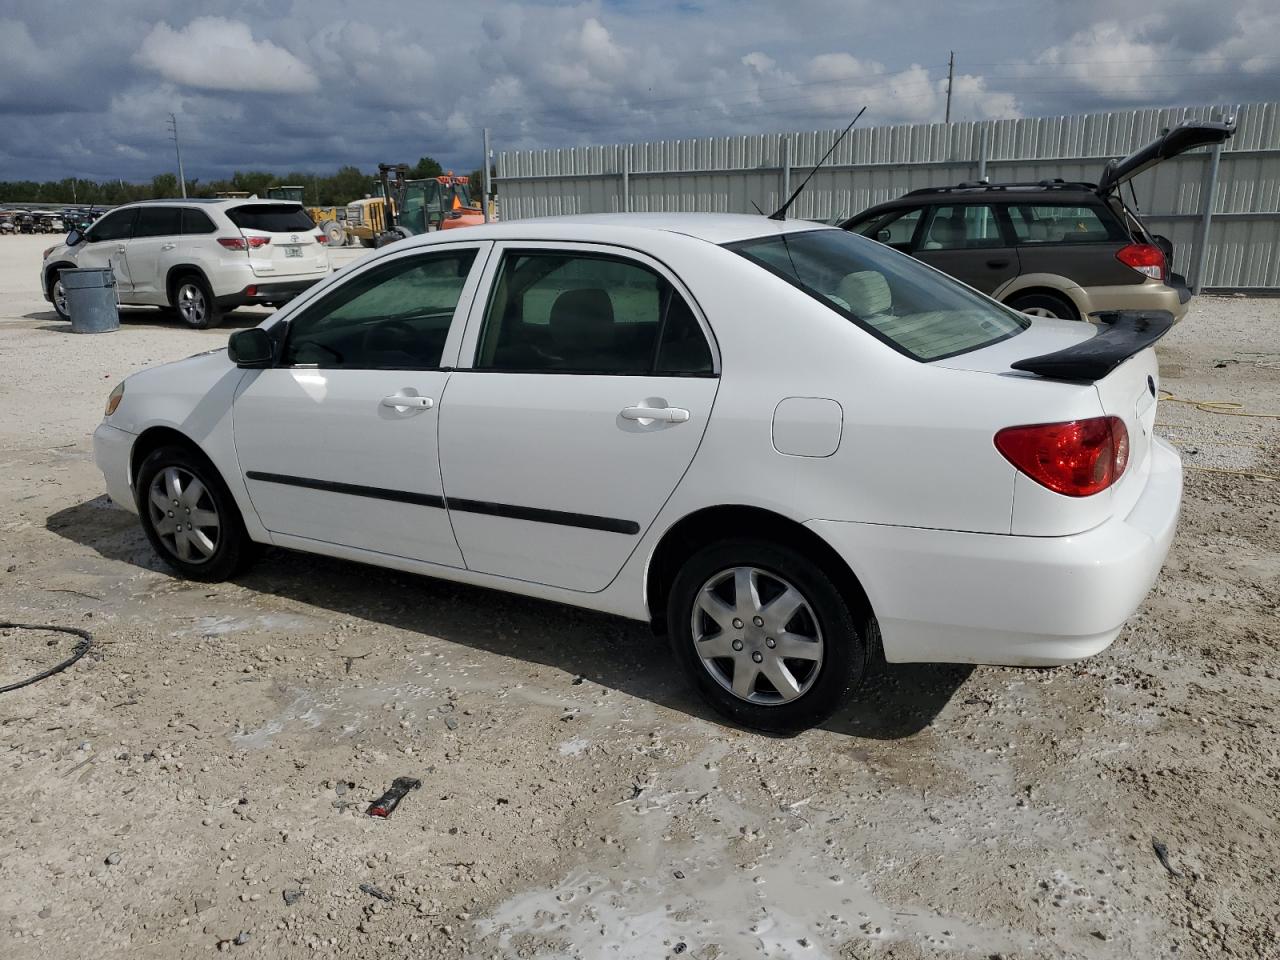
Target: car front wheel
60	299
766	636
190	517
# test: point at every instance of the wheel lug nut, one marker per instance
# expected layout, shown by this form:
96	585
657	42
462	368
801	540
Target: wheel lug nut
770	642
759	621
171	513
737	623
737	644
757	656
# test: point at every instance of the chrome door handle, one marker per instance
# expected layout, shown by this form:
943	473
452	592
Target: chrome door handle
169	246
120	249
664	414
408	403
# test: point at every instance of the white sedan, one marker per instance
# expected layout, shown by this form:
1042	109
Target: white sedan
789	448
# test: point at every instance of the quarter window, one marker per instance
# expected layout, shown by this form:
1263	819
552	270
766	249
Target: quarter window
156	222
114	226
567	313
196	221
392	317
968	227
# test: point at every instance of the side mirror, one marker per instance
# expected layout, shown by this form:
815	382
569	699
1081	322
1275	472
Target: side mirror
74	237
251	348
883	235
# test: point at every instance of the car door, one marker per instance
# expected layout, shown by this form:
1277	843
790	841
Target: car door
970	242
337	441
155	233
585	383
105	245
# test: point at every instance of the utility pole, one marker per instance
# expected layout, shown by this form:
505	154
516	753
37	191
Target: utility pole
951	75
182	179
484	179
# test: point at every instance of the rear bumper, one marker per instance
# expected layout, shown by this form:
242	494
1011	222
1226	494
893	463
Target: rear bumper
276	292
944	596
111	449
1148	295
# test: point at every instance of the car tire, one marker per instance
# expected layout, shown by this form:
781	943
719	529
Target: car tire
818	682
1044	305
59	297
168	497
194	303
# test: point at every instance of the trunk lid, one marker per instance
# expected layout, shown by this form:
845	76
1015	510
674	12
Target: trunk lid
1184	137
283	241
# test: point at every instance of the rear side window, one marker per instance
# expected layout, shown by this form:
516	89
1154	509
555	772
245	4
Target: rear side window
392	317
895	298
1059	223
156	222
196	221
967	227
271	217
570	313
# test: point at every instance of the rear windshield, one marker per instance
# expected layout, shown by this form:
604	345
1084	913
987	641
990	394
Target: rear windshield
914	309
271	217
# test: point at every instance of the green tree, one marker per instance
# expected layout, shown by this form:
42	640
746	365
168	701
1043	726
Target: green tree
164	186
425	167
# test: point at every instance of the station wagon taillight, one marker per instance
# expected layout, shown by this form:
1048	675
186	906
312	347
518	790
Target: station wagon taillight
1078	458
1146	258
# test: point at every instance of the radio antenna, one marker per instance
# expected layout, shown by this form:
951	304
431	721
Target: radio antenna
781	212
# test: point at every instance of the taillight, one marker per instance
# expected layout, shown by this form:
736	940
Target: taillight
1146	258
244	243
1078	458
322	238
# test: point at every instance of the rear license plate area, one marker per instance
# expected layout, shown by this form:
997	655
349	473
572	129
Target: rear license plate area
293	251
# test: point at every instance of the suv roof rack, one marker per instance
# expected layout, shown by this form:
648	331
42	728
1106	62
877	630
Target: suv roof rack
977	185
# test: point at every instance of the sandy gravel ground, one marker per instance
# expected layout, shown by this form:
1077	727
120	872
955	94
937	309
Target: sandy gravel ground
196	783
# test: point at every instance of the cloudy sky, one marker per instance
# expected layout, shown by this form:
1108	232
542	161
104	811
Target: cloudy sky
86	87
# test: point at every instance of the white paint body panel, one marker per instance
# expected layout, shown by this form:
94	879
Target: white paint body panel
915	498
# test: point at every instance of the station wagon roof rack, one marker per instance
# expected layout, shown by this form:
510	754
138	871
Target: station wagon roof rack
977	185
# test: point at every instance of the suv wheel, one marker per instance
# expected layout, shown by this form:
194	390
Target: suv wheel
190	517
1044	305
194	302
60	298
766	637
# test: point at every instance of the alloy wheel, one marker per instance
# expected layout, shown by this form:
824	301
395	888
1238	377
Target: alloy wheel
60	298
191	303
757	636
184	515
1041	312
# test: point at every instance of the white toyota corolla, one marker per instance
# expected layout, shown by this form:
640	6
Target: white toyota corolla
784	445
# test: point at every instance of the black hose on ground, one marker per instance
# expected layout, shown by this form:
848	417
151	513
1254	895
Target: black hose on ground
82	647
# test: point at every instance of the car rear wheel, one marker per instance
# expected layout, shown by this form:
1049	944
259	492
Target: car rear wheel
193	300
190	517
766	636
1044	305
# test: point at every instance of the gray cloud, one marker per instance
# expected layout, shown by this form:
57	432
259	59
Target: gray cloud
311	84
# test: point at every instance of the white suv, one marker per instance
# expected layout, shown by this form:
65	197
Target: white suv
198	257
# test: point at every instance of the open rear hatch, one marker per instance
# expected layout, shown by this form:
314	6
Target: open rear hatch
1184	137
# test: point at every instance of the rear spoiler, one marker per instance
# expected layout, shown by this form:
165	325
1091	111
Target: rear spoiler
1121	334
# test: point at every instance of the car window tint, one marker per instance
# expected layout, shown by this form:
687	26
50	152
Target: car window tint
967	227
114	226
897	230
271	217
156	222
921	312
196	221
395	316
1059	223
584	314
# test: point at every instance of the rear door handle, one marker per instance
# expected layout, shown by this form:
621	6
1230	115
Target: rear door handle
401	402
650	414
120	249
169	246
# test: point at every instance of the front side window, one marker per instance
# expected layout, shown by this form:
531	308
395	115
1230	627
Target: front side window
576	313
114	226
1060	223
157	222
962	227
395	316
271	218
912	308
896	230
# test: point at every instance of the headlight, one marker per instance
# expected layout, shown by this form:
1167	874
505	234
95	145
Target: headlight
113	401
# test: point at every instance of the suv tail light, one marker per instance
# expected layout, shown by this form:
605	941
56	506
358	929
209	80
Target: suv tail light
1078	458
1146	258
244	243
322	237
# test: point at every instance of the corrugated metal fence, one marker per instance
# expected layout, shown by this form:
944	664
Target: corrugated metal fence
1238	202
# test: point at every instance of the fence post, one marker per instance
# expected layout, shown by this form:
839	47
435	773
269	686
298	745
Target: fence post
785	162
1206	217
484	178
982	152
626	179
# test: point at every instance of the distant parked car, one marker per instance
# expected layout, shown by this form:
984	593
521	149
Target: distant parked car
688	419
198	257
1049	248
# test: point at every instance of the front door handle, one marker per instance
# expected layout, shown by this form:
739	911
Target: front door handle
997	264
650	414
401	402
169	246
120	249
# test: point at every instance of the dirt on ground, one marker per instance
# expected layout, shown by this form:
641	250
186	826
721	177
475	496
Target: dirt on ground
198	781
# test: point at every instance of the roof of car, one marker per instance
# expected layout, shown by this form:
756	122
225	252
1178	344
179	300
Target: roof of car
718	228
208	201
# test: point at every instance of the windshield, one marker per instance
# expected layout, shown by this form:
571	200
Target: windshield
914	309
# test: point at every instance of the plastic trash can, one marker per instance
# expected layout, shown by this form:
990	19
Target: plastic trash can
91	299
